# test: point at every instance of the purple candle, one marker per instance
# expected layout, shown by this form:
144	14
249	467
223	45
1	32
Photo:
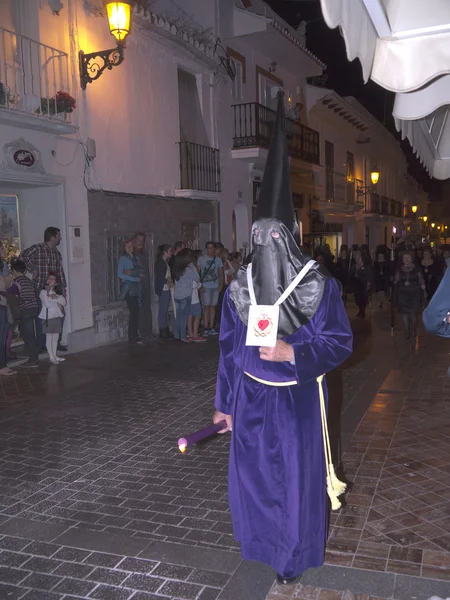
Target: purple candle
184	442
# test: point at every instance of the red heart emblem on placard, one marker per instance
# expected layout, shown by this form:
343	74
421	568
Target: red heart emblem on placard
263	324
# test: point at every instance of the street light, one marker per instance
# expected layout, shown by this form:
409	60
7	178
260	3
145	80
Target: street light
414	208
374	176
369	189
92	65
425	218
433	225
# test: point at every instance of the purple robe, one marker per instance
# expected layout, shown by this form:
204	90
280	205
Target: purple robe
277	481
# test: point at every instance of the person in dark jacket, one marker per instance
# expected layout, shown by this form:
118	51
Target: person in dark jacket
381	273
163	283
361	277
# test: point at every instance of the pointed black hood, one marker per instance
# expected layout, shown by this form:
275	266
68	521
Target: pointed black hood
275	253
275	198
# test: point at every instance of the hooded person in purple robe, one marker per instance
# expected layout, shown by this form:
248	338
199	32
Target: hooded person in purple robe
269	396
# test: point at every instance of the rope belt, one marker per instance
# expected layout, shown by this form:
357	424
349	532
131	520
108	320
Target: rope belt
335	487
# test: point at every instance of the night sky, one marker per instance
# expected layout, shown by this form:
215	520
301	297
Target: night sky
346	77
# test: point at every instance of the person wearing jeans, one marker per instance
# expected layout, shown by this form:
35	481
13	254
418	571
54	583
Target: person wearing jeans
29	310
131	274
163	281
184	274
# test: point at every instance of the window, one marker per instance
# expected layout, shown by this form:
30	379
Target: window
237	84
114	250
268	88
350	175
350	167
329	171
239	81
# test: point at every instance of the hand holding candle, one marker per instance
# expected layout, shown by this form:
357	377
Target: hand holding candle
193	438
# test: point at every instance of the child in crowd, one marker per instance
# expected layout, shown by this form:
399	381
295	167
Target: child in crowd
52	302
25	290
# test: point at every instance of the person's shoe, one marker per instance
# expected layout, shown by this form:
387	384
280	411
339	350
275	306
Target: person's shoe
7	371
213	332
62	348
281	580
60	359
30	364
12	356
205	332
169	333
198	338
186	341
54	361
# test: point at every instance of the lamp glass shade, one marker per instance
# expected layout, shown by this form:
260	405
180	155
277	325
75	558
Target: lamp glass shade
433	224
425	219
414	208
374	177
119	19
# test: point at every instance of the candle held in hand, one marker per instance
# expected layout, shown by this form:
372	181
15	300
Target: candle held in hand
200	435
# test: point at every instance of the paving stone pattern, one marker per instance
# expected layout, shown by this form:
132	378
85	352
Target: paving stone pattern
97	502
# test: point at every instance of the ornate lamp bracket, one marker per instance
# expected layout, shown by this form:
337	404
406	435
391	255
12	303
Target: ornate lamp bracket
92	65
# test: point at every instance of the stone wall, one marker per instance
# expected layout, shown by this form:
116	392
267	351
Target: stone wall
121	214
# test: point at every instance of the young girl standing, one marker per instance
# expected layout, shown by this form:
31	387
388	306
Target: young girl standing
52	300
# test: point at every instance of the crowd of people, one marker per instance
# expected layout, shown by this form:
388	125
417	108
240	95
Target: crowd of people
195	283
32	299
409	275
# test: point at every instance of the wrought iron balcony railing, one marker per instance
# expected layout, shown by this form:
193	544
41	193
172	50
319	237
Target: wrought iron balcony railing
253	125
339	188
382	205
34	78
199	167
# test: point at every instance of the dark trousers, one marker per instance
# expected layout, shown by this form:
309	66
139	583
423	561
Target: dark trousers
4	328
27	331
40	335
133	322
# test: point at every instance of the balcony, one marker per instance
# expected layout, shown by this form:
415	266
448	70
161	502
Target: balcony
34	84
381	205
339	188
253	125
199	168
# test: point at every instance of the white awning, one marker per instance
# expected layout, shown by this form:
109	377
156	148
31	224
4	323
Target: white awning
404	46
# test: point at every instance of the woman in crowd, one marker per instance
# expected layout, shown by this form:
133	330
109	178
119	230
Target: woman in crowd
381	277
361	278
195	311
163	283
342	271
236	262
184	277
409	286
131	274
430	273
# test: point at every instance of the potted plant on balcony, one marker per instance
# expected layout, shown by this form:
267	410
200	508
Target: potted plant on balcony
7	97
62	103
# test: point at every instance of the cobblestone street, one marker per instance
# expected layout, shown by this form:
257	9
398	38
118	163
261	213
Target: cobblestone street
96	502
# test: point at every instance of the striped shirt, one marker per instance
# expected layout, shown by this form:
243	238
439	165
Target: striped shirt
27	293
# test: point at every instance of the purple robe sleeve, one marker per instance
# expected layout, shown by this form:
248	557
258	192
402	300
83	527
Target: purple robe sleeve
326	341
225	375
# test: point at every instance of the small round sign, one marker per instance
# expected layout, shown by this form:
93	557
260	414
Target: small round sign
25	158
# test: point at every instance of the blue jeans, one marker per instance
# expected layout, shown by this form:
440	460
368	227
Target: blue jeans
163	307
183	307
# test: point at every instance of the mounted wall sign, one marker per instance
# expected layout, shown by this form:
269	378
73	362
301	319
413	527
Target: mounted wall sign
20	155
24	158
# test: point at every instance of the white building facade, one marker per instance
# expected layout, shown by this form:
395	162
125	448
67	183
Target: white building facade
166	143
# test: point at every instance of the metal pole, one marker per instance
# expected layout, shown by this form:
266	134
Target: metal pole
392	257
